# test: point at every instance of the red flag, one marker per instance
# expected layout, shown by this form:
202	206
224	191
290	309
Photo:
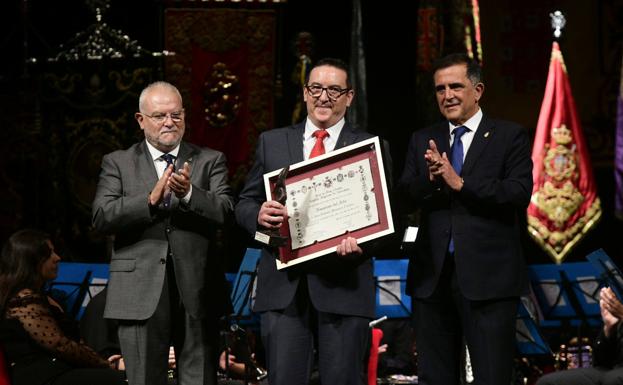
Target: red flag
564	204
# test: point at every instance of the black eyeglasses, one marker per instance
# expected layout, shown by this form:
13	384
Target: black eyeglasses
333	92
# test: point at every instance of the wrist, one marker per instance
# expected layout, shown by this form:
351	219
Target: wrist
458	186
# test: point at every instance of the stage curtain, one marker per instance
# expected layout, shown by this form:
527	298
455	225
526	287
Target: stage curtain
224	66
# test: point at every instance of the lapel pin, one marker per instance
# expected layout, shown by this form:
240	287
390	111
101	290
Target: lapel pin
487	134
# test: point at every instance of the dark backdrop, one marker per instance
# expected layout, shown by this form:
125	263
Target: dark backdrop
36	172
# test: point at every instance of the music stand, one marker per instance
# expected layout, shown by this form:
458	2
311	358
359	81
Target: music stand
567	292
78	283
528	337
390	276
243	289
609	273
568	295
242	298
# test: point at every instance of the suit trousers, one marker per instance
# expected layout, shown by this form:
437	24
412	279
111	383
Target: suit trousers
288	336
447	320
145	344
583	376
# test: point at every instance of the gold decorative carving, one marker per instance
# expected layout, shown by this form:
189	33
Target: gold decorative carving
221	96
125	80
90	139
247	34
65	84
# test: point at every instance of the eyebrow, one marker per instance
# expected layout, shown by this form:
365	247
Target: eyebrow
330	85
164	113
451	86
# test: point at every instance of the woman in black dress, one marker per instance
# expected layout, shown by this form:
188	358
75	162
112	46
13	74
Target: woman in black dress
41	344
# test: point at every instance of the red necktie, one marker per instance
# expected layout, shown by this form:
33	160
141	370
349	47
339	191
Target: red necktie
319	146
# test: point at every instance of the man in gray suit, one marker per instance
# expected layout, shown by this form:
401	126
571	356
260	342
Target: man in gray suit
162	199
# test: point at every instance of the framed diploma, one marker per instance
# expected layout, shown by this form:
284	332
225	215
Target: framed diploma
331	197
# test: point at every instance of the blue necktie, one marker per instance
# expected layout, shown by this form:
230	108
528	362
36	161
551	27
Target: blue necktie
170	159
456	158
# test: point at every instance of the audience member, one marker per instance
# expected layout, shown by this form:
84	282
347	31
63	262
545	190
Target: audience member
41	343
607	366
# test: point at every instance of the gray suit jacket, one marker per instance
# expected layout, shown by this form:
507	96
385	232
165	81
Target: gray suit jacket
143	237
336	285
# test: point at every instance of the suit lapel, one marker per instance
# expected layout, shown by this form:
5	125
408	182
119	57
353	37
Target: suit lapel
295	142
347	136
483	135
144	165
186	154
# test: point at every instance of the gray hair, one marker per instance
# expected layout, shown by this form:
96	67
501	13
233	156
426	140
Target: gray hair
154	85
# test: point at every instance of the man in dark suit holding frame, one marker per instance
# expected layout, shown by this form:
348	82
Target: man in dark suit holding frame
331	298
472	178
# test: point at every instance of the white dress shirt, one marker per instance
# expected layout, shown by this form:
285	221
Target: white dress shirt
472	124
329	141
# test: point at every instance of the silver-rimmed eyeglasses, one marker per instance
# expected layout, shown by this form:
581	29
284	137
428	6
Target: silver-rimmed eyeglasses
159	117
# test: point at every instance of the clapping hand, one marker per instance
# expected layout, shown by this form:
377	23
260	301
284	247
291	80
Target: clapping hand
161	189
611	309
440	167
179	182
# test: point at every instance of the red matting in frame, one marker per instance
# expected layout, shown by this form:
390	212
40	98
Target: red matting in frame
368	149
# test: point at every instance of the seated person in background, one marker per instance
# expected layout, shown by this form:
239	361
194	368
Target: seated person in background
236	371
396	353
41	343
607	351
98	332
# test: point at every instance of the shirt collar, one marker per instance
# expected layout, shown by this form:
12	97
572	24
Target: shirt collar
471	123
156	154
334	131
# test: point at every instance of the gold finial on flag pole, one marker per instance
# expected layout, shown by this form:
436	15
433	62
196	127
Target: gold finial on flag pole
558	22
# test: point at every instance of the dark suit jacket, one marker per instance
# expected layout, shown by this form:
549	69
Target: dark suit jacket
336	285
143	237
483	217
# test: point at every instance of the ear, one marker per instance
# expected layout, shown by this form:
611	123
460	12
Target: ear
139	118
305	95
480	89
349	97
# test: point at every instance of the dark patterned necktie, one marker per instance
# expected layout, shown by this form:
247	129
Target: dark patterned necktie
456	158
170	159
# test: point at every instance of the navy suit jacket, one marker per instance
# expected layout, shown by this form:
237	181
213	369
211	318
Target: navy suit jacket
336	284
483	218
